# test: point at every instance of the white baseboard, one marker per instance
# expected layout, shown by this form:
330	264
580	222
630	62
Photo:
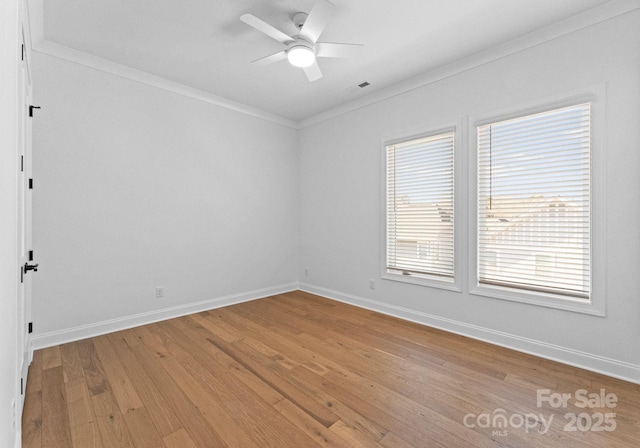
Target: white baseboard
595	363
606	366
109	326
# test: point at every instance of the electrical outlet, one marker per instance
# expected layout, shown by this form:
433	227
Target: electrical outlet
372	284
306	272
159	292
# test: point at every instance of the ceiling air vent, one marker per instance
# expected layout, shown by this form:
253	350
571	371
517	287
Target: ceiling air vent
356	88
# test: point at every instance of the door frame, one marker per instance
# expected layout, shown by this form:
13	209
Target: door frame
24	353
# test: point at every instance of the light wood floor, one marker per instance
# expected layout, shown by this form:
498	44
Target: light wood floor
296	371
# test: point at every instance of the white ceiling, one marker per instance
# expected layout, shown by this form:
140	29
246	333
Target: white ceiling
202	43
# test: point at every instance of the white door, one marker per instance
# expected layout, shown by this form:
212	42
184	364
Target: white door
25	252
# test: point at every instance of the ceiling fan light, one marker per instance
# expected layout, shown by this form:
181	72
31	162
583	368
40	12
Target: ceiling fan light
301	56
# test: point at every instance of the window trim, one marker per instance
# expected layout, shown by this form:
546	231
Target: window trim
597	303
434	281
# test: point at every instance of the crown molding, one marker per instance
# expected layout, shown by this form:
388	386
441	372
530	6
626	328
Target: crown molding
88	60
41	45
570	25
606	11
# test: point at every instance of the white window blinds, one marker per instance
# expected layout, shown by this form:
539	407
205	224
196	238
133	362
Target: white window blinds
420	206
534	202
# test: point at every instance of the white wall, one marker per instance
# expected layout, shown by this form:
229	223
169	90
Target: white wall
9	54
340	179
137	187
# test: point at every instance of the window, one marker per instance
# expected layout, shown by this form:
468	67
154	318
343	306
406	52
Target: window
419	208
534	203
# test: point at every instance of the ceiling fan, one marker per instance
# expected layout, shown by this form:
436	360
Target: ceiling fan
303	48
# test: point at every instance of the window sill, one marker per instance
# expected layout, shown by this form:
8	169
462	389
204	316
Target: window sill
423	280
540	299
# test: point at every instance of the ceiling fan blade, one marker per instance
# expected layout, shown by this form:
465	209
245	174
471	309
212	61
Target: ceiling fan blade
267	29
279	56
313	72
317	20
331	50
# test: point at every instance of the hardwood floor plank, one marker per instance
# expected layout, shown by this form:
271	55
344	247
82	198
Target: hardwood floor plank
119	382
469	382
217	326
262	315
32	420
234	397
179	439
363	360
481	392
390	440
267	351
56	431
192	419
383	342
283	344
337	337
197	336
34	380
92	368
323	436
352	436
71	364
446	404
51	357
111	424
180	367
161	413
255	363
410	411
142	430
299	371
384	416
347	414
82	420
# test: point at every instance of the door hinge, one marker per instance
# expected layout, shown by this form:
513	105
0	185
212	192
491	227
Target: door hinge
21	386
30	327
30	184
21	275
30	255
21	163
31	109
22	54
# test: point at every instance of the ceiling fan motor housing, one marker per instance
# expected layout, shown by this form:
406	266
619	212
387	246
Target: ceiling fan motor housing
301	42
